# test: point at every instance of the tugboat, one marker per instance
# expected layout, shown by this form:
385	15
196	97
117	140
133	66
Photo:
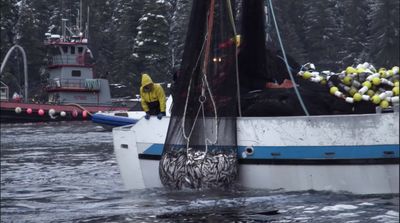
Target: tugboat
73	92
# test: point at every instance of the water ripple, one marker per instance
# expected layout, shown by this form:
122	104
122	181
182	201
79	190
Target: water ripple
67	172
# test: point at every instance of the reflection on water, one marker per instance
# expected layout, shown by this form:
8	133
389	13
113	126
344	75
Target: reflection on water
67	172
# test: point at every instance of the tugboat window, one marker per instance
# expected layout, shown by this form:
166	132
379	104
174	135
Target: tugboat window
80	49
76	73
65	49
72	50
55	51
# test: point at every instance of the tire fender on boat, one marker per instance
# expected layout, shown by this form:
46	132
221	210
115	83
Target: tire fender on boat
249	150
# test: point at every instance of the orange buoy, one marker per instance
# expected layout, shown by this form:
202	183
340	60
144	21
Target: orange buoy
29	111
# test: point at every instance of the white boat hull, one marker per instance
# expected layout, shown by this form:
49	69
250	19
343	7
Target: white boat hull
354	153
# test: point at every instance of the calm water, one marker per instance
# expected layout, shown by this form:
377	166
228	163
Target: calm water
67	172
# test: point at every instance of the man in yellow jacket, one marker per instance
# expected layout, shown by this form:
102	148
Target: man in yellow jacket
152	97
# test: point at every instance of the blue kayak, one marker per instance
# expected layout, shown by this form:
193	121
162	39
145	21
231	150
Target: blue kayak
111	120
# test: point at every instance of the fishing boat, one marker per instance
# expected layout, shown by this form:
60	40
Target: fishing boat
72	90
217	138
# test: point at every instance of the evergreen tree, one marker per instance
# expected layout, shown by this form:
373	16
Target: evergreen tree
151	47
179	27
131	37
124	69
102	31
384	29
354	31
8	19
288	16
30	36
322	34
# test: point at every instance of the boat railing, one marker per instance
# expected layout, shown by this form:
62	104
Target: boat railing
85	84
80	59
3	91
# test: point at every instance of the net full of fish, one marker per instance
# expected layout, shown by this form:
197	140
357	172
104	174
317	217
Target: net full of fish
195	168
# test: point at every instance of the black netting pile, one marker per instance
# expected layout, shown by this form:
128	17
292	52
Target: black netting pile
260	63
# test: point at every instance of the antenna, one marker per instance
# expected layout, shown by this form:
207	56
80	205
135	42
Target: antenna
63	27
77	27
80	16
87	23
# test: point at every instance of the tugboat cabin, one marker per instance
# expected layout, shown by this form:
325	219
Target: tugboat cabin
71	78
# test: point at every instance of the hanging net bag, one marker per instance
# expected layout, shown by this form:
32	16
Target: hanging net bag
200	150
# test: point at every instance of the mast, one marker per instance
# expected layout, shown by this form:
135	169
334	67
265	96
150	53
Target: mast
87	23
80	17
64	28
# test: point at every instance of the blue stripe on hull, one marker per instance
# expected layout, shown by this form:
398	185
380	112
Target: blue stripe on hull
309	152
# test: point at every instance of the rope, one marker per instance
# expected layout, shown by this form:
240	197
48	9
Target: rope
82	108
286	62
210	26
205	82
188	93
215	110
236	55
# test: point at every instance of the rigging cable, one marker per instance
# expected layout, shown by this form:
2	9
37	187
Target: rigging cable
286	62
236	55
205	85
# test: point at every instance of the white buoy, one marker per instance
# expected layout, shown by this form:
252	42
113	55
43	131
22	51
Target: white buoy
369	78
338	94
18	110
365	97
349	100
63	114
52	112
395	70
394	99
363	90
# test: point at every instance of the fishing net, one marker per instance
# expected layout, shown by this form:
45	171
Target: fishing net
201	144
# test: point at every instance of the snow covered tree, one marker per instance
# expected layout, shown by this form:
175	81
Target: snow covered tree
179	26
288	14
102	31
124	69
8	19
151	47
29	30
322	33
354	31
384	33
